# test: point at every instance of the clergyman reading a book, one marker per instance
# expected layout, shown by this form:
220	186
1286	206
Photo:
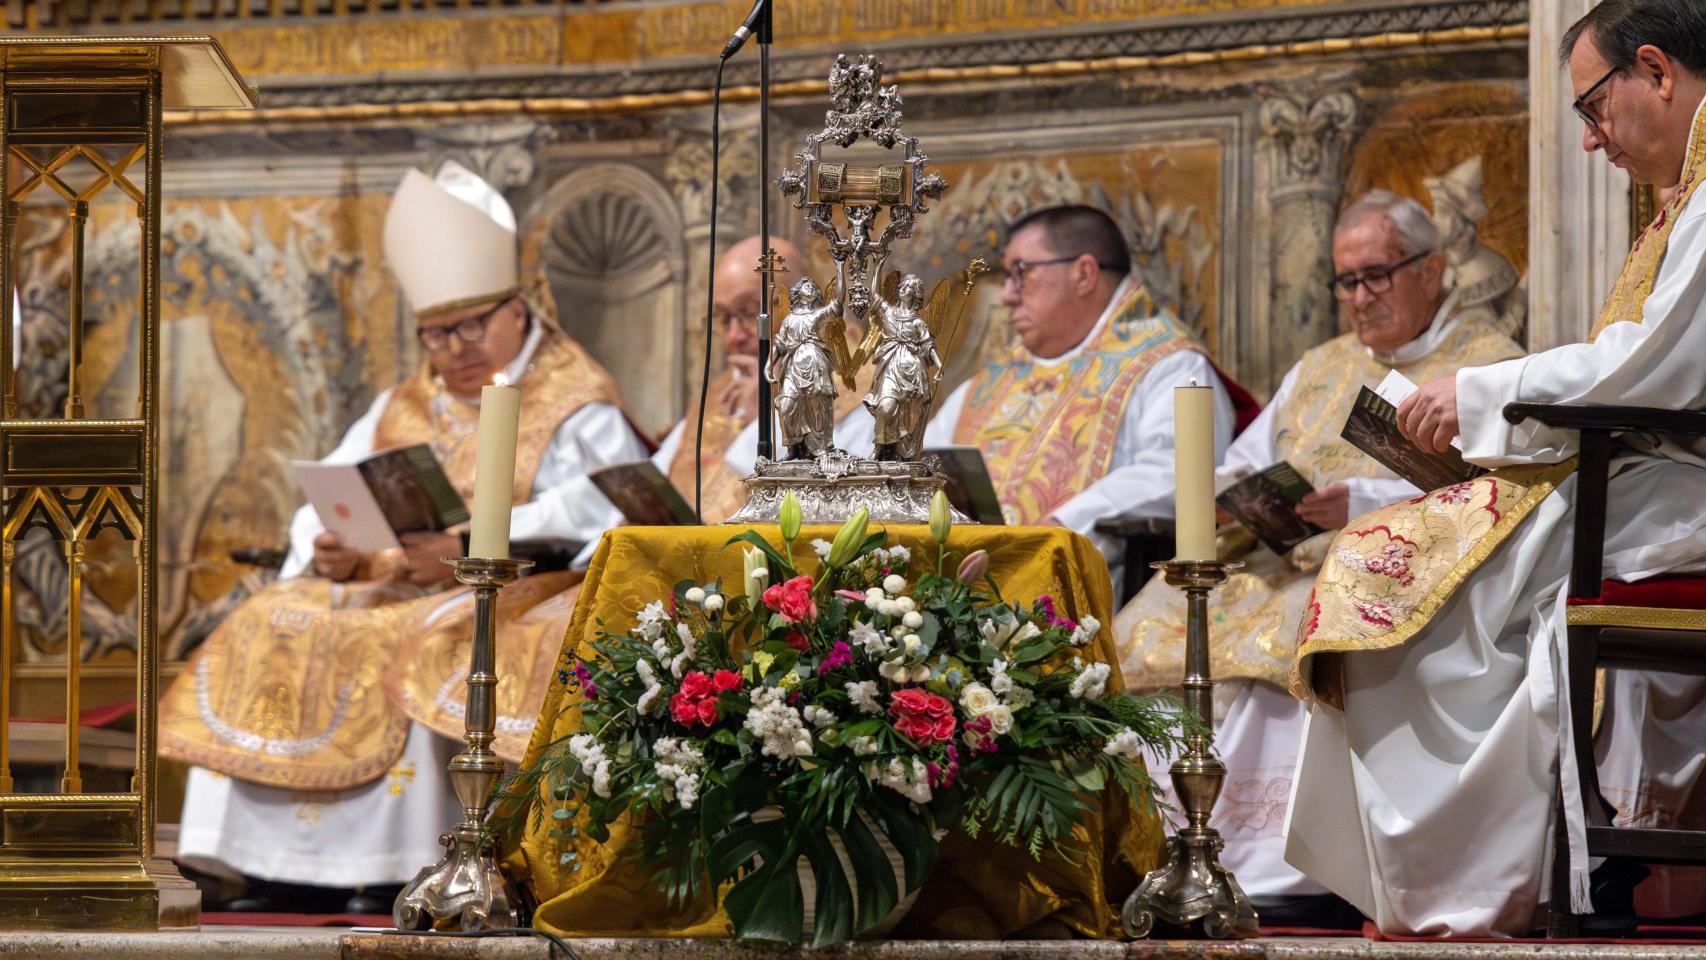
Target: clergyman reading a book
1388	270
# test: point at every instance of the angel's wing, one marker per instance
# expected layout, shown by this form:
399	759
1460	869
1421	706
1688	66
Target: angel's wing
945	311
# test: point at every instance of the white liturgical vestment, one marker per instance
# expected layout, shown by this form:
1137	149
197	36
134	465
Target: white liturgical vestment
384	831
1427	802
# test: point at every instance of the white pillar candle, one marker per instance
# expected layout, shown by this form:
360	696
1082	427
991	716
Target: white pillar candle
494	471
1193	472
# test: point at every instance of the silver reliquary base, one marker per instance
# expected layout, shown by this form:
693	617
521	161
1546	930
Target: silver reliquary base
833	486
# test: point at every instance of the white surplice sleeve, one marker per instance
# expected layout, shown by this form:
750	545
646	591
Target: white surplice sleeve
664	458
306	525
566	505
1656	362
1140	481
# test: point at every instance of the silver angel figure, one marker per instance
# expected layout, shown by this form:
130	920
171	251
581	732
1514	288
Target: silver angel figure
803	368
908	369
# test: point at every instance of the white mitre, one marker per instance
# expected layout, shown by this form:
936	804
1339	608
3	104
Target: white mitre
451	241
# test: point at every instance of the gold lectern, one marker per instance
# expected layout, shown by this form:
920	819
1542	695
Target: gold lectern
75	860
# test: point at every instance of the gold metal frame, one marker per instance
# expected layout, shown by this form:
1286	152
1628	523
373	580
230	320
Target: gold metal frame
74	860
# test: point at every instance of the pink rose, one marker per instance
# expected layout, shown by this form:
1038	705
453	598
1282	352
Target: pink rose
792	600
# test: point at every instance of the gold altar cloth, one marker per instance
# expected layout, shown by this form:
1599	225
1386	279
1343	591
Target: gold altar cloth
980	889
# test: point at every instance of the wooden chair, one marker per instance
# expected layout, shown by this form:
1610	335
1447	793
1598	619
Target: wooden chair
1655	625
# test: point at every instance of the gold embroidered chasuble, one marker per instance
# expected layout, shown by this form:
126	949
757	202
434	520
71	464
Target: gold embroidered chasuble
1047	431
1256	612
312	684
1390	571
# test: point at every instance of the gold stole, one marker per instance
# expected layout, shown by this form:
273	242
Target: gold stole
291	690
1048	432
1391	571
1256	612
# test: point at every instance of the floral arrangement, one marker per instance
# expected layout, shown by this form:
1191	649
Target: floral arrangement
829	723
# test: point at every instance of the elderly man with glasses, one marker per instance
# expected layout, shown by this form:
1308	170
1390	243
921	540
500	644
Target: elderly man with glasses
1076	422
1430	767
1386	251
319	716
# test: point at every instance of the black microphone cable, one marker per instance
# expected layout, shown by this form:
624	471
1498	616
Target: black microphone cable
710	301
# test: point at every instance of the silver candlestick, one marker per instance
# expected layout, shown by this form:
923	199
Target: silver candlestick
1192	894
466	883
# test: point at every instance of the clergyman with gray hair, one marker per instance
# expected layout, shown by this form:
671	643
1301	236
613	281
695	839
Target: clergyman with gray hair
1388	268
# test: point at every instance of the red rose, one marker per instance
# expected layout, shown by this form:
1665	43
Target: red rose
682	709
726	680
707	712
792	600
696	685
916	729
944	729
909	700
921	716
798	641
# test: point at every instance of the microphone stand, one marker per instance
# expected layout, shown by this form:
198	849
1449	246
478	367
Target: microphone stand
766	421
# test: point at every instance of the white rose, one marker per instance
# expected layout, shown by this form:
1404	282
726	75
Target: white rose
1000	720
977	699
912	619
694	595
894	583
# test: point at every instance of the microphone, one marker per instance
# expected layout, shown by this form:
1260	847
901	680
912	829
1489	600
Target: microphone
759	9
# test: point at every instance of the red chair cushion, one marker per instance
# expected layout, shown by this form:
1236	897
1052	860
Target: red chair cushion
1671	592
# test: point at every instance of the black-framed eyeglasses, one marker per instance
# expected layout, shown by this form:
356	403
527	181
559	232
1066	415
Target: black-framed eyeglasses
1377	279
1580	104
471	330
1020	269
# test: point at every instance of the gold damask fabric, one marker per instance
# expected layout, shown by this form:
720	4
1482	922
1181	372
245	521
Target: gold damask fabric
1257	611
980	890
1048	432
291	690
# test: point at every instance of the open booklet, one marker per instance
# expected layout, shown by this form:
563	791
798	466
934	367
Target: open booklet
370	502
1372	428
1265	502
969	488
643	494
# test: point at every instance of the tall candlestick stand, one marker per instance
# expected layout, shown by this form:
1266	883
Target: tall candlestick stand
465	883
1192	894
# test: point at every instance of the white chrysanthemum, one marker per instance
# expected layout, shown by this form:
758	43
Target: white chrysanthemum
684	659
653	696
899	556
678	764
894	583
779	726
1126	744
713	602
1085	631
1091	683
694	595
864	746
909	780
821	547
863	695
590	754
912	619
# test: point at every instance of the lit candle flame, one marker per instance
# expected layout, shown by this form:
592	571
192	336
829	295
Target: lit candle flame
503	381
